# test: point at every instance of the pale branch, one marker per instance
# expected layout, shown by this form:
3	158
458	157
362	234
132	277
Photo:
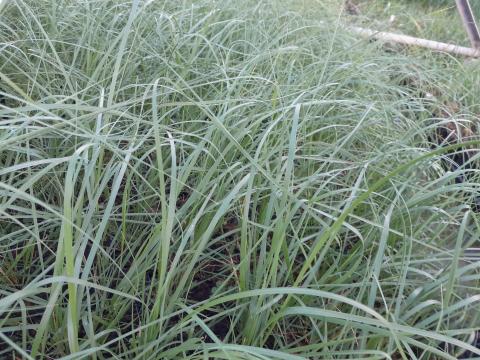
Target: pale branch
410	40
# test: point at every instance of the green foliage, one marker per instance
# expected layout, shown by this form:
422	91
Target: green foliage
224	179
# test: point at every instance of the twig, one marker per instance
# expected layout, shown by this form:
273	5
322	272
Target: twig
410	40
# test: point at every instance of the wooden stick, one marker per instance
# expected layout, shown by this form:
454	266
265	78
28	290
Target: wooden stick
410	40
469	23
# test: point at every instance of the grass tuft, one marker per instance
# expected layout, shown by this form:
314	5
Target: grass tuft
231	180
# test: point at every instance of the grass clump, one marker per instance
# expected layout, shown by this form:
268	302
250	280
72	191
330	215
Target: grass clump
212	179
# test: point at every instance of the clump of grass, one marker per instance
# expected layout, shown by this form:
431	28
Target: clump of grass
223	180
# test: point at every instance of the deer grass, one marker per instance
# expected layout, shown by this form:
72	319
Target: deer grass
229	180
